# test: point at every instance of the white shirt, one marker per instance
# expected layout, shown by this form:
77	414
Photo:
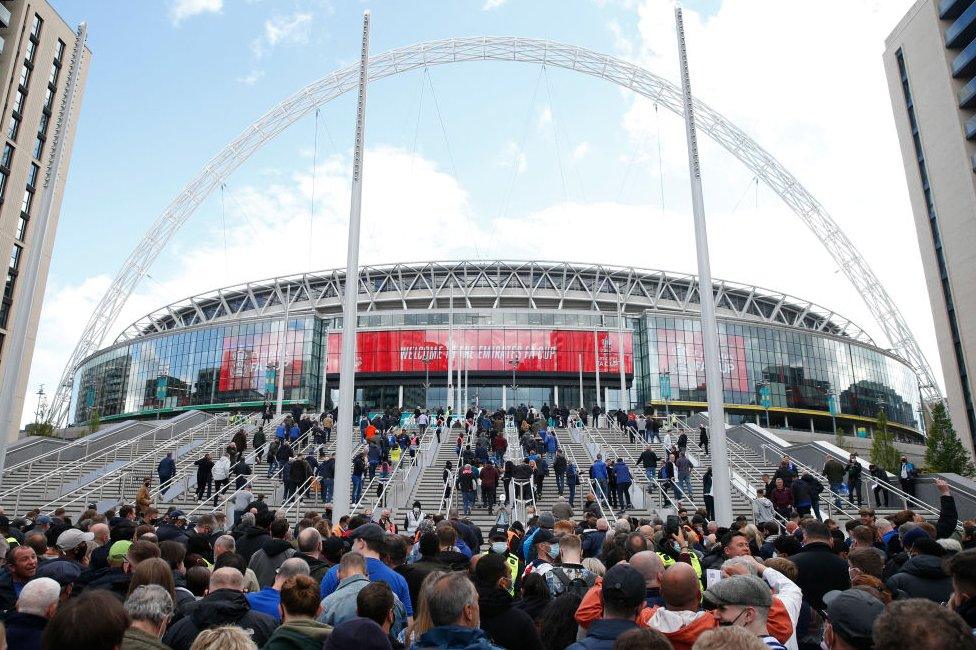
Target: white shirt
790	595
221	469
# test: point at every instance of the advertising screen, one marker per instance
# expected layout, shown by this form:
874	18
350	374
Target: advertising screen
245	359
681	353
487	350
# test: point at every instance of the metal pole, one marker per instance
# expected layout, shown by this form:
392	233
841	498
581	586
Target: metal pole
16	350
581	378
282	341
347	374
596	359
713	366
450	353
325	372
624	395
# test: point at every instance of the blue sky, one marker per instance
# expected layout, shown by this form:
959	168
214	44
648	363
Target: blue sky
478	159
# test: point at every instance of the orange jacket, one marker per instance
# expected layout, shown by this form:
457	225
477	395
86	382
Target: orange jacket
591	609
370	432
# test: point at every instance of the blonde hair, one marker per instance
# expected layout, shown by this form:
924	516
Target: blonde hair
594	565
728	638
228	637
422	621
752	533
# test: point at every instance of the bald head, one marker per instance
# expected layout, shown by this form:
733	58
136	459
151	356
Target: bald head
227	578
649	564
602	524
101	533
680	588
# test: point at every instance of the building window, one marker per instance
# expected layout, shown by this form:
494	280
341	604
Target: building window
36	28
14	127
21	227
52	79
32	177
38	146
3	185
27	201
49	99
42	124
8	288
24	76
8	156
59	52
31	50
15	254
19	101
4	313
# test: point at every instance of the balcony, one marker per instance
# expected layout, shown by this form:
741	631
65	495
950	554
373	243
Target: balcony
971	128
962	30
964	65
951	9
967	95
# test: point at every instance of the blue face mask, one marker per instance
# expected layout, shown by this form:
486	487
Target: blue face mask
499	547
554	550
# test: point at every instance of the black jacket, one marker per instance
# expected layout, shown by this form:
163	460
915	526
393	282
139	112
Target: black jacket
453	560
169	532
317	568
922	577
647	459
8	595
113	579
415	573
252	539
507	626
25	631
819	570
222	607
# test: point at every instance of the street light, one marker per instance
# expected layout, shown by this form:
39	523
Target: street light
514	363
764	399
664	379
426	380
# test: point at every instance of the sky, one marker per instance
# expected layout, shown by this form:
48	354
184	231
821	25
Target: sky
478	160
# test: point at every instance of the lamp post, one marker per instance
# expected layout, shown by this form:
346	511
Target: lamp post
664	379
426	380
764	400
514	363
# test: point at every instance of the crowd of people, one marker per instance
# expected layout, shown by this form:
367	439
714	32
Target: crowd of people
141	579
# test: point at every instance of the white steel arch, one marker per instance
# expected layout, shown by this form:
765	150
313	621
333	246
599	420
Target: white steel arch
514	49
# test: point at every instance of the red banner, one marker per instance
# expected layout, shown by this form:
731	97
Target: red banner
486	350
245	359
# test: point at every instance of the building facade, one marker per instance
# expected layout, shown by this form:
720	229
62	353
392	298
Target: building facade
37	47
519	332
930	63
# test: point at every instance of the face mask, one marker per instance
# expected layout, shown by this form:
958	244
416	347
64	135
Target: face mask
732	622
554	550
416	512
499	547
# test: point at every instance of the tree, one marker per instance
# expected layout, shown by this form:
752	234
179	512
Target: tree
883	451
840	438
944	452
95	421
39	429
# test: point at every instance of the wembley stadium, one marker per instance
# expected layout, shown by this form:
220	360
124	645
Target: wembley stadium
522	332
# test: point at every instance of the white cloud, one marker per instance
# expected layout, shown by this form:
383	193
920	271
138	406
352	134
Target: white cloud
489	5
581	150
403	194
512	156
180	10
293	29
251	77
544	121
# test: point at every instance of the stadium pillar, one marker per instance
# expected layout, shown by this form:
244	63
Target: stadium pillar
347	374
713	369
596	364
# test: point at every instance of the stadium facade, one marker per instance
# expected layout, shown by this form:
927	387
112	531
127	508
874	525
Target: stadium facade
556	325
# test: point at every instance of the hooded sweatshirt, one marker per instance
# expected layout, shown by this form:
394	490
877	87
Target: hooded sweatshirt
221	607
681	628
265	562
922	577
253	539
507	626
299	634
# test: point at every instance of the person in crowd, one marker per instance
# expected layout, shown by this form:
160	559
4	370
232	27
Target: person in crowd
570	574
922	575
624	480
782	498
376	602
744	600
221	475
907	476
204	467
36	605
819	568
298	607
850	619
166	470
267	600
835	471
920	624
453	605
504	624
273	553
95	620
853	471
224	604
623	596
150	609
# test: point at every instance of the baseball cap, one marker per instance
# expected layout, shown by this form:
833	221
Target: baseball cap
547	521
118	550
852	613
623	586
72	537
913	536
369	533
64	573
362	633
43	520
747	591
176	514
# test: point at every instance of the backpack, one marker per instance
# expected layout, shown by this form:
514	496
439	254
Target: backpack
577	586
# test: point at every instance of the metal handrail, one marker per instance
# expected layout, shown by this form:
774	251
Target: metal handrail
594	485
656	481
126	469
86	440
452	480
591	483
129	445
414	460
208	446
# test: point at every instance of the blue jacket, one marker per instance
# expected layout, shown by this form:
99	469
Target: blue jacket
600	470
373	454
460	638
293	432
266	601
167	467
603	633
622	472
572	477
551	444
